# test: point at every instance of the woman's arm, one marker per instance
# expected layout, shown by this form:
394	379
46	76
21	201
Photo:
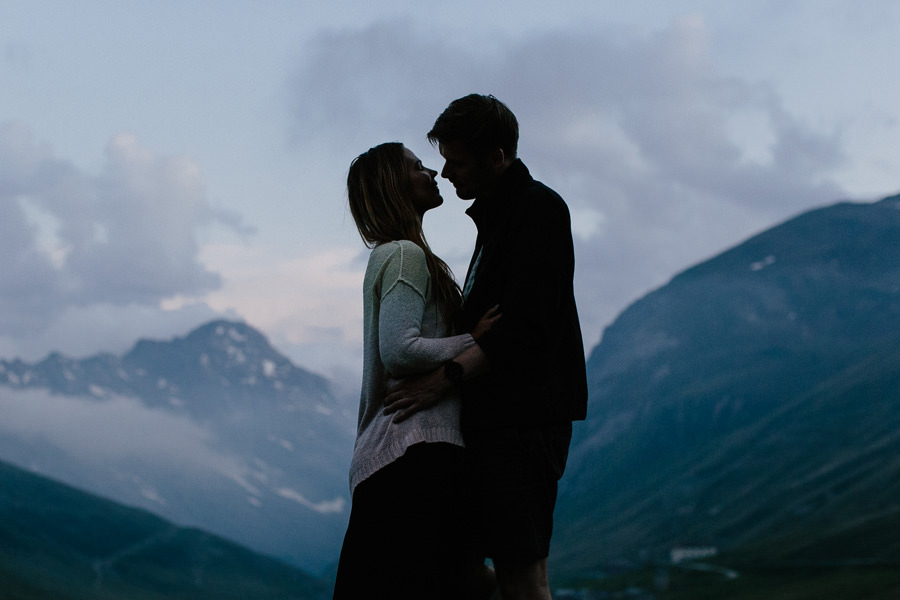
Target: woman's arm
403	284
403	349
418	393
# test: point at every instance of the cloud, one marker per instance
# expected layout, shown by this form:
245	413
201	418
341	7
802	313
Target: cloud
127	236
302	297
382	83
310	306
86	440
663	159
81	331
111	431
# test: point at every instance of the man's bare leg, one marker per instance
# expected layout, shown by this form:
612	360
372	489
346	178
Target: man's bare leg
528	582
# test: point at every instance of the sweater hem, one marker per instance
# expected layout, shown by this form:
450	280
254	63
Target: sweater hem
362	470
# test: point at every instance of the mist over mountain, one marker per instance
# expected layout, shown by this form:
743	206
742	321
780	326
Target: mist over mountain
215	430
749	405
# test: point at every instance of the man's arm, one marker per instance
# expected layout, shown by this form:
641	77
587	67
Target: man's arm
417	393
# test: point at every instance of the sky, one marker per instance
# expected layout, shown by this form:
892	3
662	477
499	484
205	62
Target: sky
167	163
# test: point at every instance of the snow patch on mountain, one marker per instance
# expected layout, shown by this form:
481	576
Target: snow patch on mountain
762	264
336	505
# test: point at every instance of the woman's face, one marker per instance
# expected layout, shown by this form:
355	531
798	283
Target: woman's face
422	182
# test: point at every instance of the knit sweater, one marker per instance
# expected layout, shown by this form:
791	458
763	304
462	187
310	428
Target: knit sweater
403	334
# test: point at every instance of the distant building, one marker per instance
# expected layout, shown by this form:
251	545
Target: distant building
683	553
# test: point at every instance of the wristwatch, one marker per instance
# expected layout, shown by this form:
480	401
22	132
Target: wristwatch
453	371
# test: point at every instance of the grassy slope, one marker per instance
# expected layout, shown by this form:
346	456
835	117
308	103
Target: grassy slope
58	542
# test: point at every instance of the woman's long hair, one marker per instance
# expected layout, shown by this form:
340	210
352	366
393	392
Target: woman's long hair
381	203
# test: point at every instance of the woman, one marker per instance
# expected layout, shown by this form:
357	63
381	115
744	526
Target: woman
408	530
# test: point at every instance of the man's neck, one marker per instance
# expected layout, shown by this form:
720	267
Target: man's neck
498	177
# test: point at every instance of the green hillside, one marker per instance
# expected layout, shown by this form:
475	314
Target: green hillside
58	543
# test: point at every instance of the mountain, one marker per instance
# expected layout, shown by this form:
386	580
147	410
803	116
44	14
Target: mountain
58	543
749	405
215	430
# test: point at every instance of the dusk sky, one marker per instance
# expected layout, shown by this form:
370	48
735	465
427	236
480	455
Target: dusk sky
170	162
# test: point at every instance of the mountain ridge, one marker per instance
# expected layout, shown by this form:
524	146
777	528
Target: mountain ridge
217	349
252	447
748	404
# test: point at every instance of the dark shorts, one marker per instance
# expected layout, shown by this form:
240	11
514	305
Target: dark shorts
410	532
516	473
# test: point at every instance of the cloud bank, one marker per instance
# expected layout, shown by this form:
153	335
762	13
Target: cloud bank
112	431
123	239
663	159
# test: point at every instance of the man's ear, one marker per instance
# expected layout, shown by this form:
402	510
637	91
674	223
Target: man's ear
497	158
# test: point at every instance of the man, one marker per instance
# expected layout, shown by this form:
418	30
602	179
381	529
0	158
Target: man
524	382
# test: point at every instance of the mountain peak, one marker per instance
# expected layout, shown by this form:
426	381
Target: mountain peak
222	360
218	345
217	336
234	332
221	353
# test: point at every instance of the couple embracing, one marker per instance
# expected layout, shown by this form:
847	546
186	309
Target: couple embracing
468	395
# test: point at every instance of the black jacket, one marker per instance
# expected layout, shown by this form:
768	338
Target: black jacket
527	265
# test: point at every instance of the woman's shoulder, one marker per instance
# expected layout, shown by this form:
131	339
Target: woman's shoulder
396	261
398	249
399	260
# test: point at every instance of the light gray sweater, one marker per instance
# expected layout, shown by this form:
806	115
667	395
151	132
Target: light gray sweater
403	334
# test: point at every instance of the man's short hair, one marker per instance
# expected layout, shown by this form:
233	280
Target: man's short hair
481	124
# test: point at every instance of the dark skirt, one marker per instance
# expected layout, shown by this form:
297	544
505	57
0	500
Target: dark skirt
410	530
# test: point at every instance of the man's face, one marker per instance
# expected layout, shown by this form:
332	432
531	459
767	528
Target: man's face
472	176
